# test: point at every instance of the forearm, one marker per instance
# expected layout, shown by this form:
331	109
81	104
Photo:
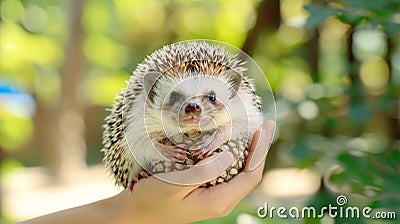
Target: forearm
100	212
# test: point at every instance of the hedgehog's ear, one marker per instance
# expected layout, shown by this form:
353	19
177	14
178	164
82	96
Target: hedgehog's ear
235	79
149	81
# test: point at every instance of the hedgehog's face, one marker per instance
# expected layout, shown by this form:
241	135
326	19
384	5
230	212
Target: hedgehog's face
195	103
192	102
193	112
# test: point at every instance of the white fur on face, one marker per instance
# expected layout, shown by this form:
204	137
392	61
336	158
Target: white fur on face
239	112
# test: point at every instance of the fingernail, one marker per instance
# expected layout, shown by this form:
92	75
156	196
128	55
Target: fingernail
255	161
268	124
261	149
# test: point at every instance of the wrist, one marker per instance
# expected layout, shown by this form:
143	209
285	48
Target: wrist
122	209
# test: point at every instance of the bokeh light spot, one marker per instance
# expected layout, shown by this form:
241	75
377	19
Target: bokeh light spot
308	110
35	19
374	74
11	10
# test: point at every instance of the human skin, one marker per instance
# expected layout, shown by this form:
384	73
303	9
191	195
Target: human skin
155	201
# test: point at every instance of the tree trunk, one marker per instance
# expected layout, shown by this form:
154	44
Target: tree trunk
268	18
61	129
312	54
71	143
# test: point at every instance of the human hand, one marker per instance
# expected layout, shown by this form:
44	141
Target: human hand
155	201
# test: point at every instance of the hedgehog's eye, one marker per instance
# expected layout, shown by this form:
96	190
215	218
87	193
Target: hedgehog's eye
173	97
211	97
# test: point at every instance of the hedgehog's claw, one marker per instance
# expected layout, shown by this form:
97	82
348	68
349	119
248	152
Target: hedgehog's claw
176	153
204	149
139	176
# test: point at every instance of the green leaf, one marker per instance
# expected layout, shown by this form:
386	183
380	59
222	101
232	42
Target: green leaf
386	203
351	18
360	113
374	5
318	14
392	28
301	151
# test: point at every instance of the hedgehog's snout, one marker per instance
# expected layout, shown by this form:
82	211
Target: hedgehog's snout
193	108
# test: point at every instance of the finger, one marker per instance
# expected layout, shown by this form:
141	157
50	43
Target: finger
202	172
226	195
184	181
260	145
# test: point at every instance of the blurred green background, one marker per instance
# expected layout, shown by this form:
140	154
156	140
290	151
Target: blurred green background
334	67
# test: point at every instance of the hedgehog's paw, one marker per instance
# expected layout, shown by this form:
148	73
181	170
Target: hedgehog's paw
204	149
137	177
176	153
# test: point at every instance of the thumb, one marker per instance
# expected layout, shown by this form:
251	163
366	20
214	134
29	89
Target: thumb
206	170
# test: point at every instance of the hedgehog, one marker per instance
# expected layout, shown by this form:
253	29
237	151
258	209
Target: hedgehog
183	103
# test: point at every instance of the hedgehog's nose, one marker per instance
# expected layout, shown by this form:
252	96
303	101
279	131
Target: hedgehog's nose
192	108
